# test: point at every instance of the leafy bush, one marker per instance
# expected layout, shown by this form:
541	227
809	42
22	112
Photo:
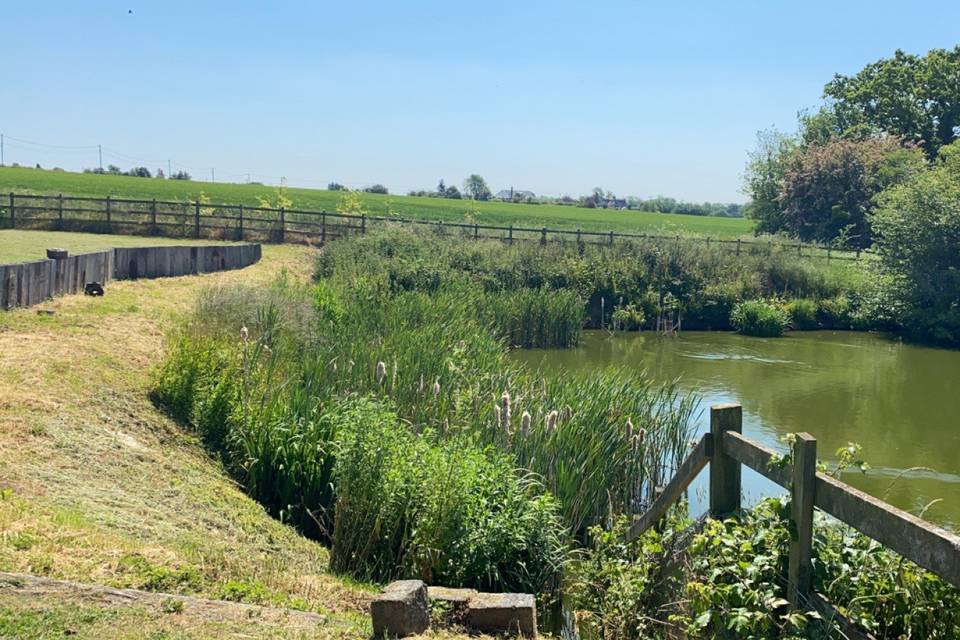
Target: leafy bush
726	581
803	314
759	318
447	512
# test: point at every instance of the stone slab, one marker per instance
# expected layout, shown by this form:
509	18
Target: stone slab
514	613
401	610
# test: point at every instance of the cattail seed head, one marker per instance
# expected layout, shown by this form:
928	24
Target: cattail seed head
505	405
567	413
436	387
628	430
552	420
381	372
525	424
499	415
244	333
333	365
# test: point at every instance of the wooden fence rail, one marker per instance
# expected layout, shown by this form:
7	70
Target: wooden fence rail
240	222
726	449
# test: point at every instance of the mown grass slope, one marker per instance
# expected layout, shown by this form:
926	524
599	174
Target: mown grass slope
40	181
97	486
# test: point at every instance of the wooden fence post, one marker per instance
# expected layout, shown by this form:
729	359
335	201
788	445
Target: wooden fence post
611	238
283	223
60	211
476	231
724	470
578	237
738	246
510	241
363	224
153	217
13	214
543	236
800	571
109	216
196	219
323	228
241	221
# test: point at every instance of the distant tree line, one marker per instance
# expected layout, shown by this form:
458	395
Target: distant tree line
137	172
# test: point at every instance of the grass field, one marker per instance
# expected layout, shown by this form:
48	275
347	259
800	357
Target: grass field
24	246
99	487
24	180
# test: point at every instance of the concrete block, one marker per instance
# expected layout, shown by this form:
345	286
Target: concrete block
401	610
503	613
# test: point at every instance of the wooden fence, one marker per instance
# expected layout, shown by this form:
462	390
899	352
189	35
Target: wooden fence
30	283
240	222
725	449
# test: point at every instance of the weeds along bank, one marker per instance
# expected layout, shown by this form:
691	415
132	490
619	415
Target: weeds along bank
391	424
630	285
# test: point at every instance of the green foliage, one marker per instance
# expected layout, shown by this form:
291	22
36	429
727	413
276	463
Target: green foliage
448	513
759	318
911	96
918	226
803	314
726	581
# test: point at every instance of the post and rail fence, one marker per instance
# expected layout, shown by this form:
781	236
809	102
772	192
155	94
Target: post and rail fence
198	219
725	449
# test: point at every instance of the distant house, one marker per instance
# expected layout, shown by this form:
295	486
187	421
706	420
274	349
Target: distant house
515	194
613	203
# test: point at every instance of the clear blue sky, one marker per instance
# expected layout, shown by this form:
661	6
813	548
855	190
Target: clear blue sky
639	98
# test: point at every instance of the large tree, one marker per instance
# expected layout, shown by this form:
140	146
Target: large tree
828	190
918	238
914	97
476	187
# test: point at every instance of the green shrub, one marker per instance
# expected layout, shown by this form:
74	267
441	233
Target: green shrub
803	314
759	318
446	512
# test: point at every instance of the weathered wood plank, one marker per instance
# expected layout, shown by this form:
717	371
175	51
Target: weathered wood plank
800	567
926	544
724	470
757	457
831	614
688	470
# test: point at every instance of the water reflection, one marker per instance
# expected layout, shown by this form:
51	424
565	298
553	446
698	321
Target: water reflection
899	401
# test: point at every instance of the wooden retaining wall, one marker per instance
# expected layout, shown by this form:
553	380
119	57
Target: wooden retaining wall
30	283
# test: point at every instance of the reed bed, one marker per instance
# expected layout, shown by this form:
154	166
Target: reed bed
388	420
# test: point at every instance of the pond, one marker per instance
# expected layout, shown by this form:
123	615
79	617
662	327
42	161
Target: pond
900	402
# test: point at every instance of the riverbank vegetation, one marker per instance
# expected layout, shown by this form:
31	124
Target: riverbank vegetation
390	423
876	167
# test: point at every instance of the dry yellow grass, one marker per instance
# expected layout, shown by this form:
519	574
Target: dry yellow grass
98	486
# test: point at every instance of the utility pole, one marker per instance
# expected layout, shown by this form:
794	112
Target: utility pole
213	177
100	156
169	174
1	149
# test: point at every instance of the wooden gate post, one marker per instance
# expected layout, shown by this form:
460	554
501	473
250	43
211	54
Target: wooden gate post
154	230
241	222
13	214
196	219
800	570
543	236
323	228
363	224
60	212
724	470
510	241
283	223
476	231
738	246
109	216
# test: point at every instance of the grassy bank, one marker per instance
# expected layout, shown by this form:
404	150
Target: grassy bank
24	246
554	216
98	486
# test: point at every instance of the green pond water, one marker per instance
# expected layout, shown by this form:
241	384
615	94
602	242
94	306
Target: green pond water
901	402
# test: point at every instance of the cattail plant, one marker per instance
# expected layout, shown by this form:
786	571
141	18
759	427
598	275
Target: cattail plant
552	420
381	372
525	425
